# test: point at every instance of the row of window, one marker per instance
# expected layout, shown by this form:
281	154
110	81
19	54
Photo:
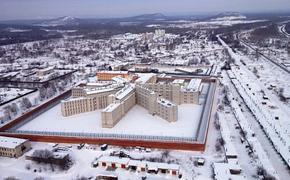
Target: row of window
6	149
5	154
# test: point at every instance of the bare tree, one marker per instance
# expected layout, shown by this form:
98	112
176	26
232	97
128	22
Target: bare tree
25	104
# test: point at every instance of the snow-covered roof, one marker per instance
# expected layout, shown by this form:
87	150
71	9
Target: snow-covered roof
111	107
102	89
193	85
95	91
137	163
114	72
150	165
98	83
118	79
165	102
9	142
113	159
144	78
230	150
222	171
168	166
178	81
124	92
46	69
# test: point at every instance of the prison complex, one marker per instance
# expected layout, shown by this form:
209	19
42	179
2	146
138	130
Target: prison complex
116	96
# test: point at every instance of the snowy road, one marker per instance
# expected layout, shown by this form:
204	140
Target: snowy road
267	145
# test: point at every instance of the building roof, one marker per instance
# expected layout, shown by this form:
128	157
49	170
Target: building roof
113	159
9	142
144	78
102	89
113	72
119	79
178	81
193	85
124	92
168	166
222	171
165	102
111	107
155	166
46	69
137	163
99	84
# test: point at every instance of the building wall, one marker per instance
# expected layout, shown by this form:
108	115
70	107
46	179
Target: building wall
78	92
76	106
149	100
17	151
189	97
111	118
107	76
167	91
146	98
169	113
87	103
174	93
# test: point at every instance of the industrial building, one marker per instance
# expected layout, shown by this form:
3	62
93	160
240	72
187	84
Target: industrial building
108	75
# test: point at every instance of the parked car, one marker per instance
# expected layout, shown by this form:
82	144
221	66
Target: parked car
104	147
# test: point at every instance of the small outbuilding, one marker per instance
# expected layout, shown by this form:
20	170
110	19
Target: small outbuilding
113	162
13	147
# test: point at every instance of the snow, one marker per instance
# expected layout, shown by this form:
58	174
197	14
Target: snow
229	18
7	94
250	136
222	172
9	142
136	122
84	158
215	23
275	130
193	85
17	30
111	107
143	78
165	102
124	92
112	159
94	90
226	134
120	80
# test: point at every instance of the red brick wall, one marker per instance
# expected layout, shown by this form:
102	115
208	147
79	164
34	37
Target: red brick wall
117	142
33	111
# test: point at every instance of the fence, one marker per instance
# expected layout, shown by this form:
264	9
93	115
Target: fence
107	136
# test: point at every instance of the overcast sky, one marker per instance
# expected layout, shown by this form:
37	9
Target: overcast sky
33	9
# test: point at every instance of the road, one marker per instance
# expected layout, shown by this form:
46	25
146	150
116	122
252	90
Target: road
273	156
282	29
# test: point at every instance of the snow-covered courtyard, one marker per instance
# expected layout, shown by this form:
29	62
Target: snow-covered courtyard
136	122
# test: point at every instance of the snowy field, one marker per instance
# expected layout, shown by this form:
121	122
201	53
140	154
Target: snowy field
136	122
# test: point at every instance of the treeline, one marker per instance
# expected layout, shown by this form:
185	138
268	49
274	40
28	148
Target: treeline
28	34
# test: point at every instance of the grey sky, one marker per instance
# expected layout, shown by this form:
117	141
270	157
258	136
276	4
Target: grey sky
32	9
